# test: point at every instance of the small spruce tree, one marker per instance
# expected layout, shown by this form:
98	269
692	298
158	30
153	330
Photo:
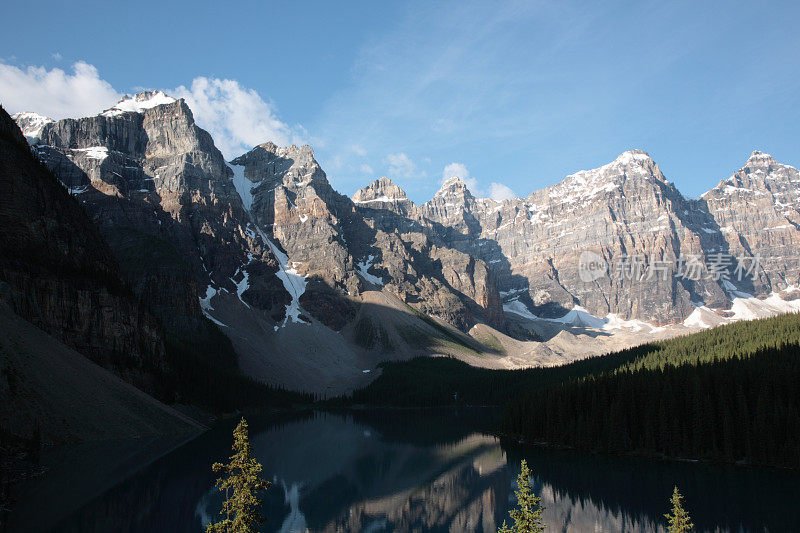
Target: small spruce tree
679	520
242	485
528	515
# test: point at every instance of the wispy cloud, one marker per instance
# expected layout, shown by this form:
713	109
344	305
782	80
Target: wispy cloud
499	192
402	166
496	191
550	86
443	79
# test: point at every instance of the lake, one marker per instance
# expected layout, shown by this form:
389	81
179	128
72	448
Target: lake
405	470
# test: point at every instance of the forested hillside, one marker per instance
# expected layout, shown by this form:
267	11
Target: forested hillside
729	393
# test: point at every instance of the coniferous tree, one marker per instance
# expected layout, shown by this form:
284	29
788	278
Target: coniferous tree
528	515
242	485
679	520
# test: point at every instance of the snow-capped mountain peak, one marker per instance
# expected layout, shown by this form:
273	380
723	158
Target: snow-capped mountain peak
453	185
31	124
585	186
630	157
381	190
759	158
138	103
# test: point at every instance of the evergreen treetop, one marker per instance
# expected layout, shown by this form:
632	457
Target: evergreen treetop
527	516
679	520
242	484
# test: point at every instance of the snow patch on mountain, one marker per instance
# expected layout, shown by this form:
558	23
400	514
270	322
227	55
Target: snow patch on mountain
31	124
744	307
363	270
580	317
138	103
702	317
205	301
294	283
206	307
243	185
519	308
242	286
379	199
750	308
94	152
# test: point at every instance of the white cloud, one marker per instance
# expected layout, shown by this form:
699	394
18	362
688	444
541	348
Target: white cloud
55	93
455	170
57	56
460	171
359	150
366	169
401	166
472	185
499	192
237	117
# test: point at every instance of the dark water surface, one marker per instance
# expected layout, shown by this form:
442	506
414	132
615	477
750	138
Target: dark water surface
434	470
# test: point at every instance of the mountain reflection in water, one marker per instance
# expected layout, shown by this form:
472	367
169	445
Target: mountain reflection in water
433	470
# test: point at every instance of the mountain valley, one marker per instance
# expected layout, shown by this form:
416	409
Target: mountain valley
314	289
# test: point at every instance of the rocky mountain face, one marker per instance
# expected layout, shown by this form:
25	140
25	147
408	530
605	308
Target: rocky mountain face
57	272
659	254
163	197
264	246
757	211
624	214
31	124
255	245
343	246
290	198
425	268
384	194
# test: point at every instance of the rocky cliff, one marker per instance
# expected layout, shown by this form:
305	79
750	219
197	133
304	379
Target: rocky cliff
757	211
59	274
164	198
345	246
264	246
660	253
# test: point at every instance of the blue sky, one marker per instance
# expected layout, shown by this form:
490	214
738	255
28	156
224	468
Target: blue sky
518	94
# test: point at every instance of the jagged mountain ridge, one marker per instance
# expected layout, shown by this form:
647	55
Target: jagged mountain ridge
337	245
270	247
758	212
161	194
626	208
194	240
623	209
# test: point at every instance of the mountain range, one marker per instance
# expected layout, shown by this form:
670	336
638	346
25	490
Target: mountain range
314	288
